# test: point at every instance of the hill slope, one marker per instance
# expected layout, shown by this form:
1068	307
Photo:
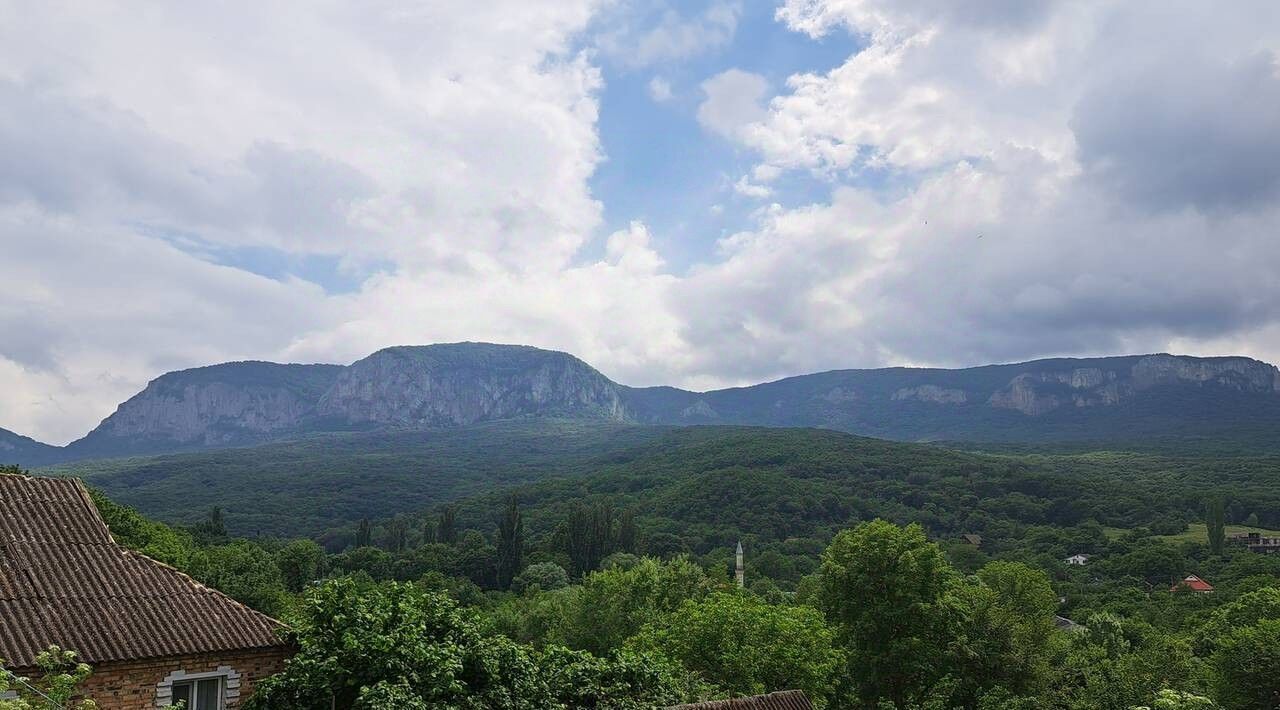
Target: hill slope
693	481
26	451
1098	399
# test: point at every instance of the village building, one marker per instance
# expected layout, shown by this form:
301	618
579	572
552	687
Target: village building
1078	559
1192	583
1255	542
781	700
975	540
152	634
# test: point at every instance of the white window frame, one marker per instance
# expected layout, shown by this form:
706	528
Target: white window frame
229	697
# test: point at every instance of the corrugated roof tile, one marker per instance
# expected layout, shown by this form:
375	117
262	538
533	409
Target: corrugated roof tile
64	581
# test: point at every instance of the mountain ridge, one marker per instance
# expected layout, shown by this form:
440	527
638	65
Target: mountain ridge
457	384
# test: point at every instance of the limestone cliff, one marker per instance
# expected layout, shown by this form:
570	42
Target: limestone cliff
1040	391
463	383
232	403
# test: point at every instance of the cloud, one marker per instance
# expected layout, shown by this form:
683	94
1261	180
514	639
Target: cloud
453	143
1206	136
659	89
980	182
645	33
733	102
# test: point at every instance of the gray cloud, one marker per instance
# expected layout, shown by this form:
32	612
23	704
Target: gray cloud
1203	133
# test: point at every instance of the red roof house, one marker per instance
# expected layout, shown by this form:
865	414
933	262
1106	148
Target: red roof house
1192	583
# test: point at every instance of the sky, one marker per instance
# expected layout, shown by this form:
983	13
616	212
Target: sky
701	194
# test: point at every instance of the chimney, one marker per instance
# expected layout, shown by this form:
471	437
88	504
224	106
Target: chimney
739	573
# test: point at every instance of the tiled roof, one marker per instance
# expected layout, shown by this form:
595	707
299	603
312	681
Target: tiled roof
64	581
781	700
1193	583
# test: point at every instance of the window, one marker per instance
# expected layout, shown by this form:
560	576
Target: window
199	694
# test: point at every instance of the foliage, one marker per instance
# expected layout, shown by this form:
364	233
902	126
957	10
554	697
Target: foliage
541	576
1245	665
746	646
398	645
1215	520
614	604
61	674
244	572
885	591
301	562
510	539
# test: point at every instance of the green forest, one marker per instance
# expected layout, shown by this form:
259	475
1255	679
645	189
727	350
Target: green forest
877	575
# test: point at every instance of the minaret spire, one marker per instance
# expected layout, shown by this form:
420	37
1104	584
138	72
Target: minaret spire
739	573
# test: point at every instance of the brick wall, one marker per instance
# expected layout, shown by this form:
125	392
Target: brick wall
132	685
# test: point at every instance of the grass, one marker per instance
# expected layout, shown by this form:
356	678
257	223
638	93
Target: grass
1199	532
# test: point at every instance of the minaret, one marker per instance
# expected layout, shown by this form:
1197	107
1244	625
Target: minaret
739	574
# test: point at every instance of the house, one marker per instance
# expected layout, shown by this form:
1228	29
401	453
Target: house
1194	584
1255	542
1078	559
153	635
975	540
782	700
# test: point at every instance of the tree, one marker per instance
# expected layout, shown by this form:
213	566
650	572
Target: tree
1215	519
588	535
301	562
543	576
620	681
399	645
627	532
397	534
61	674
884	589
1245	667
745	646
447	531
510	543
243	571
1247	610
1007	631
1168	699
364	534
612	605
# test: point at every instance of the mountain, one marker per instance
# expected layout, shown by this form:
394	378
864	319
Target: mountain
1065	399
1102	400
29	452
231	404
465	383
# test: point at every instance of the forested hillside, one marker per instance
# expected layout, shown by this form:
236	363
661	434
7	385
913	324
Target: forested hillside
738	480
598	605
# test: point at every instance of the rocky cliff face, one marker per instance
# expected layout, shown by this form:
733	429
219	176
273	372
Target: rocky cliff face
214	406
1040	391
464	383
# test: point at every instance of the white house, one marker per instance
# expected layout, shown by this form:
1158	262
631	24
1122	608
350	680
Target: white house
1077	559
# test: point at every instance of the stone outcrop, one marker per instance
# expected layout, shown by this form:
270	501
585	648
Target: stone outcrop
454	385
220	405
931	393
1039	392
